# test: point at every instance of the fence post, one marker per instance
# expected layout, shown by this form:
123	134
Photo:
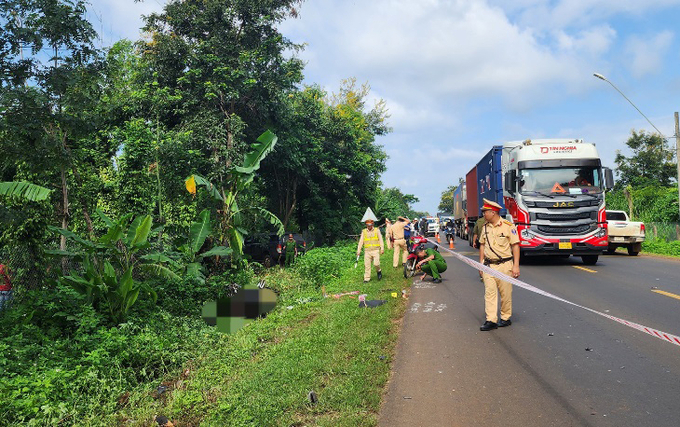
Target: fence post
654	230
677	231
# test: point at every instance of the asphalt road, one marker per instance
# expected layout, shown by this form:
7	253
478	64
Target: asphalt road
557	365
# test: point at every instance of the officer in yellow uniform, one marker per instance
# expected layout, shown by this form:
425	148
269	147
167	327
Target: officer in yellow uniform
498	249
398	241
372	242
388	230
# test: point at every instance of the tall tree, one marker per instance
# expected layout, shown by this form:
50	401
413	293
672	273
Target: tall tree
49	88
650	163
391	203
327	164
446	202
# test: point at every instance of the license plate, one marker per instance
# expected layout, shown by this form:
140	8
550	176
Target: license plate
565	245
618	239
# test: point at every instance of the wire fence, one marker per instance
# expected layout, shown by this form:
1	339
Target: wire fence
29	269
667	231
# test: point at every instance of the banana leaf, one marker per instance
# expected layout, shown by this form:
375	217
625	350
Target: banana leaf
25	190
199	232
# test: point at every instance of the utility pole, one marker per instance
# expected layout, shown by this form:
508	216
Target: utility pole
677	153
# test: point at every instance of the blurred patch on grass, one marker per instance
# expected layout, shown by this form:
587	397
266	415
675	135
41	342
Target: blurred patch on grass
262	375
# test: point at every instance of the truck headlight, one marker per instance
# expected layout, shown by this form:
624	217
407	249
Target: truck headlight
526	234
601	232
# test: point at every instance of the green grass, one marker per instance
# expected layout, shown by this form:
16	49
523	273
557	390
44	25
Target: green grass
662	247
262	374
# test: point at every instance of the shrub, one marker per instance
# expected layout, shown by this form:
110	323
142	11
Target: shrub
320	265
186	297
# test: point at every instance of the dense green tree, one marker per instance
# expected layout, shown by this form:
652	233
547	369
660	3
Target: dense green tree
327	165
446	202
49	89
391	203
650	163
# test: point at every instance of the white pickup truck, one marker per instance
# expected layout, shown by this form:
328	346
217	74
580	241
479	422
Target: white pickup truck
624	233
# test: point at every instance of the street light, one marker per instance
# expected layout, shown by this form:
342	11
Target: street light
677	129
601	77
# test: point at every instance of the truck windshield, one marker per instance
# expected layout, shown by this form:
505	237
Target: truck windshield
569	180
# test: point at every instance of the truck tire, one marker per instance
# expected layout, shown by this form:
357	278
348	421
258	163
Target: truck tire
611	249
589	259
632	250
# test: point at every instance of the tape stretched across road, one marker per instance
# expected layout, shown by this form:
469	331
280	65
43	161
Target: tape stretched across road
673	339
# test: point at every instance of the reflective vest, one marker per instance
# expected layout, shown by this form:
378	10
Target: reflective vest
371	241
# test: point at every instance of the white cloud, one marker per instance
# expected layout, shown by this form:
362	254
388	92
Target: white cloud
647	53
118	19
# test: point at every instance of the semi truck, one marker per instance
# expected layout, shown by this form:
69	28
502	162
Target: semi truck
484	181
551	189
460	210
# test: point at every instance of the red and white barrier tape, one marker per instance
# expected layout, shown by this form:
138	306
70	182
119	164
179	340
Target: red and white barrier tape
673	339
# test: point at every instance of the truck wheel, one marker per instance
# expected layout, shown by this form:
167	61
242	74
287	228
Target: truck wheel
267	262
632	250
611	249
589	259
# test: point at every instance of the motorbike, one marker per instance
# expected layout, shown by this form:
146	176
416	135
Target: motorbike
412	245
450	233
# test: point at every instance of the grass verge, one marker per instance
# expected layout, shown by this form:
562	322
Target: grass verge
262	374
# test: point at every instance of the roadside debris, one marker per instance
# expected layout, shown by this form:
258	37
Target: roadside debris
312	397
370	303
589	349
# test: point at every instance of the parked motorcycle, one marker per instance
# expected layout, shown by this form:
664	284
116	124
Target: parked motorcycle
412	246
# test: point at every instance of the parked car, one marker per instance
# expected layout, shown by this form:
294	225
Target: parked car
624	233
269	249
432	226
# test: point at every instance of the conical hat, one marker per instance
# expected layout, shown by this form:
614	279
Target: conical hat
369	215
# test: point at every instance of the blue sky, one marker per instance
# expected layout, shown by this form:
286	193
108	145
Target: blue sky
460	76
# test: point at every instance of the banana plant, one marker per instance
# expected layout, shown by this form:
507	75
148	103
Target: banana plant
198	233
241	176
110	262
25	190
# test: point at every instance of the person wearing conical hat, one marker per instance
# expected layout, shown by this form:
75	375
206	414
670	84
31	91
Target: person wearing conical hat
372	242
397	235
498	249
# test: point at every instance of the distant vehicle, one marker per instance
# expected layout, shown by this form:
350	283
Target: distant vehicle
624	233
443	220
432	226
270	249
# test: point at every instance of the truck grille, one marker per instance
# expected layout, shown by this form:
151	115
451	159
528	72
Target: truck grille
567	217
551	204
557	230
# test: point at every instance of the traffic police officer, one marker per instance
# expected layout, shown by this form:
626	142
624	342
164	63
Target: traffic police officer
399	240
498	249
372	242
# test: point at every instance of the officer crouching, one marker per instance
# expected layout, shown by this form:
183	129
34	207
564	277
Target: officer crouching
498	249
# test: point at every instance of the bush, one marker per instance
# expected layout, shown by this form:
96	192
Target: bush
320	265
186	297
62	362
662	247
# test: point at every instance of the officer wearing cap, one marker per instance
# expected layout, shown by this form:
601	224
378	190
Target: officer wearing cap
372	242
399	240
498	249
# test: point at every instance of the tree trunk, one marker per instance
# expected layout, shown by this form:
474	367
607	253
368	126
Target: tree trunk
291	201
64	215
